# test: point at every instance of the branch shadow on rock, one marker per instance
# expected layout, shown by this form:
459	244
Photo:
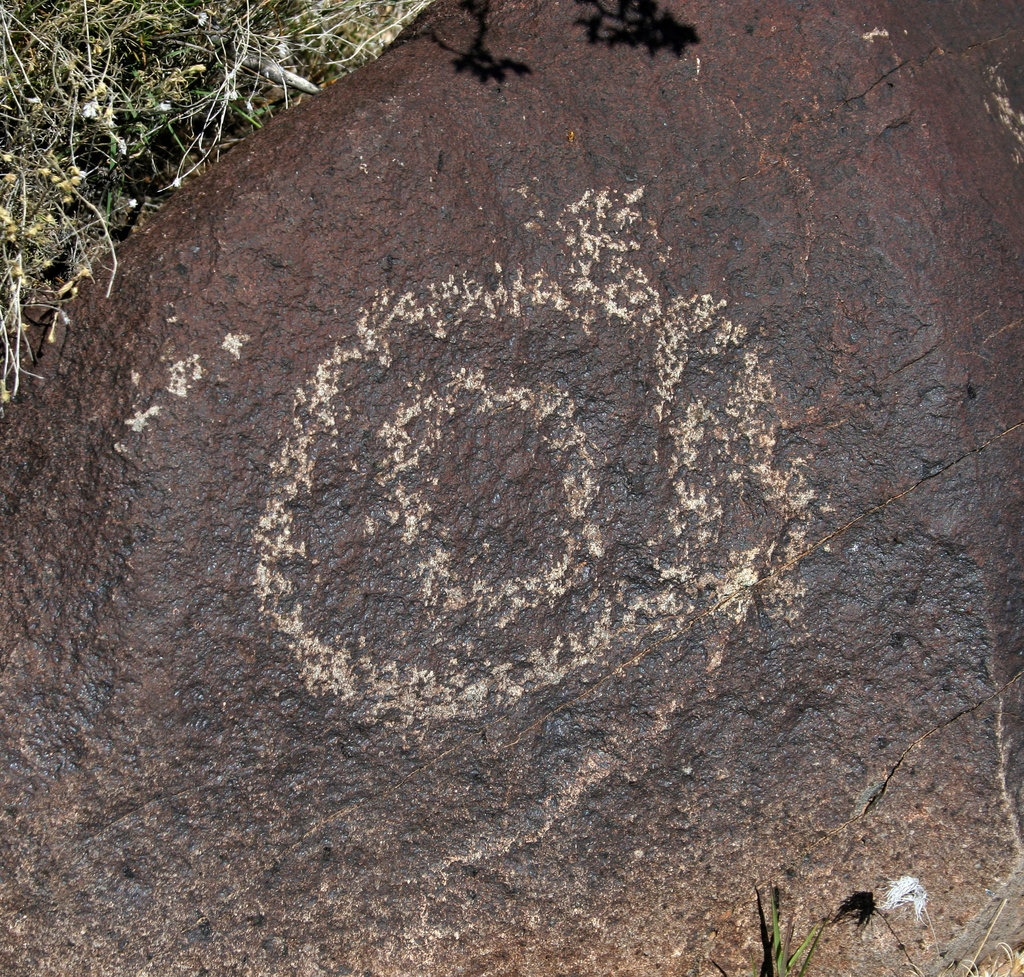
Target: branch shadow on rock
636	23
478	59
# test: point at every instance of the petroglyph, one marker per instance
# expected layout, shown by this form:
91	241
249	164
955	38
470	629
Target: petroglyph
233	342
367	531
183	374
141	418
180	379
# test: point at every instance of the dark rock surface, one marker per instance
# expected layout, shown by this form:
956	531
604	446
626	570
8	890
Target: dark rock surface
557	479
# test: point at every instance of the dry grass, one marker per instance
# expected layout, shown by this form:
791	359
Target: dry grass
106	104
1009	963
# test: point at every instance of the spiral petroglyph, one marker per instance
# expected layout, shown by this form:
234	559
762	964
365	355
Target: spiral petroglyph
389	558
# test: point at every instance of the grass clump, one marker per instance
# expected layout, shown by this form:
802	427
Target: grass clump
1009	963
104	104
780	958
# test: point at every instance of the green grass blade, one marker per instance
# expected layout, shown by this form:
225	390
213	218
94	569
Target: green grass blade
816	935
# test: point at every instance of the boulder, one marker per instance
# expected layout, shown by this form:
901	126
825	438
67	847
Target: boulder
558	479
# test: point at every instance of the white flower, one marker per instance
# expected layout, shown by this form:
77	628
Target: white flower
164	107
91	110
906	890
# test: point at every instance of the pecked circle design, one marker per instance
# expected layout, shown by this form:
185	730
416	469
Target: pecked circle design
483	566
474	546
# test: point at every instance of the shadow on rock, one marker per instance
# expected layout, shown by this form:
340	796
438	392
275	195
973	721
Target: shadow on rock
636	23
478	59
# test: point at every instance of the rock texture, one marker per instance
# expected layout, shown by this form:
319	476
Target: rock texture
557	479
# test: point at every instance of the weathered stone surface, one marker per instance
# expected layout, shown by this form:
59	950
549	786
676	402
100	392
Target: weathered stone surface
555	480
